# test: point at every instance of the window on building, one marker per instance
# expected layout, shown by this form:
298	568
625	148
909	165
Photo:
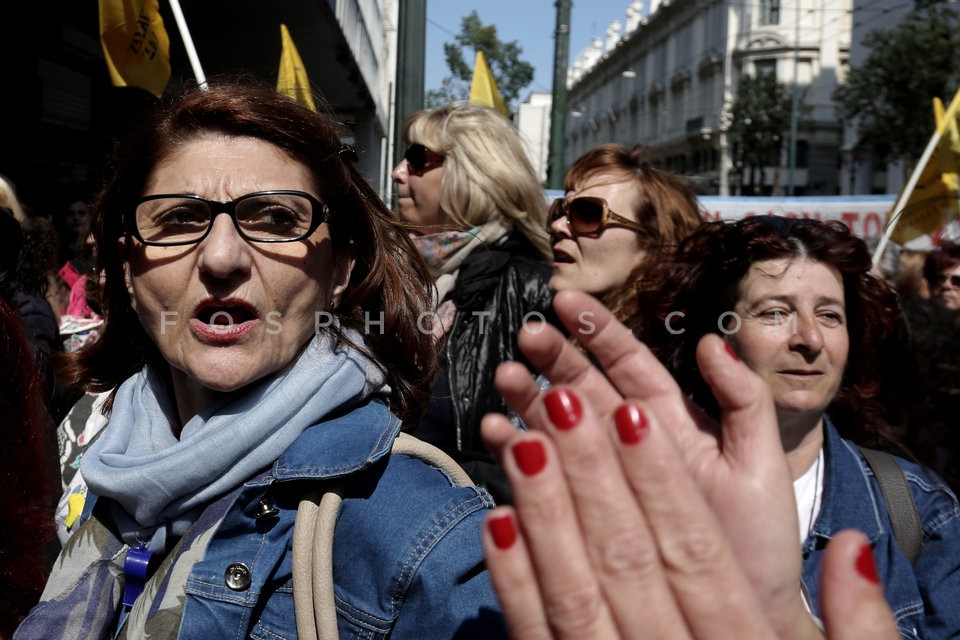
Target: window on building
765	65
769	11
803	154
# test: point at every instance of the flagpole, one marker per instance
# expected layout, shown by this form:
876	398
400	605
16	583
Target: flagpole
188	43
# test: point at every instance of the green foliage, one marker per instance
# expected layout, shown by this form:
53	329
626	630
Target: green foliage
760	121
511	73
892	92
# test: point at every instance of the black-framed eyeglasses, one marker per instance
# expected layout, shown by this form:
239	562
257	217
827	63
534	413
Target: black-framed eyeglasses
420	159
589	215
167	220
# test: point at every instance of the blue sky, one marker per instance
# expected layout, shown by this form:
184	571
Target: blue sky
530	22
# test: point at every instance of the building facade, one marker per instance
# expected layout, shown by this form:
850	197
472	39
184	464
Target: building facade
863	172
668	78
533	123
63	118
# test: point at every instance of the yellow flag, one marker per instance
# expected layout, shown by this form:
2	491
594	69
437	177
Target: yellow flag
484	88
135	44
292	79
933	201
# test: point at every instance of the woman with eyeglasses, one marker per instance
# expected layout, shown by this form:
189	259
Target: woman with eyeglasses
797	301
261	347
619	214
475	208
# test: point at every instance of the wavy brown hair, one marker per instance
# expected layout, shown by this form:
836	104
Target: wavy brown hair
664	203
389	286
702	281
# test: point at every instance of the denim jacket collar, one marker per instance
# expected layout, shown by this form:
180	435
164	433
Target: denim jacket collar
341	445
848	502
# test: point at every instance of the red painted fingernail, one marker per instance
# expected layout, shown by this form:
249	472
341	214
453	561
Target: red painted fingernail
865	564
530	455
733	354
631	422
502	531
563	408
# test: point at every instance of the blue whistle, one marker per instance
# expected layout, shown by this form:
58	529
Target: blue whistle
135	569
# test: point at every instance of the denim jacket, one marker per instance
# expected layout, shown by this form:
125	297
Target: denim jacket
925	596
407	556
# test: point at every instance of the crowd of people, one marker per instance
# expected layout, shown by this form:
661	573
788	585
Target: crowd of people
611	401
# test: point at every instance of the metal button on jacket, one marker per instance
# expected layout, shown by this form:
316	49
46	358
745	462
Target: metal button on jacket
265	510
237	576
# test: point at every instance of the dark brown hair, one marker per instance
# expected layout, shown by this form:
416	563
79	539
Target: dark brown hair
29	489
665	203
702	281
389	285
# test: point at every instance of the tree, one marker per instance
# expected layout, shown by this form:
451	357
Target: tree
760	121
891	93
511	73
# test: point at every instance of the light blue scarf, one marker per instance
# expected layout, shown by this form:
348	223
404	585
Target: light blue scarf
158	479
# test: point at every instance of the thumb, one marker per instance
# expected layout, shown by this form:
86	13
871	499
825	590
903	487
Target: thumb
852	598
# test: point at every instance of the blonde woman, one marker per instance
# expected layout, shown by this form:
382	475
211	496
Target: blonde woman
8	198
476	210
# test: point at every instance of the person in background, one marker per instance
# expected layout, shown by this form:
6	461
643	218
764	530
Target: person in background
910	282
28	482
75	262
941	272
9	199
260	346
36	279
618	215
932	324
73	227
475	207
797	300
626	493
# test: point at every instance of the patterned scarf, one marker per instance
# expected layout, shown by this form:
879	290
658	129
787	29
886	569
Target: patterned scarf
444	253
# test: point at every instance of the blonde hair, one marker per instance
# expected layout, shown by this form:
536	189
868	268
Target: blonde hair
8	198
486	172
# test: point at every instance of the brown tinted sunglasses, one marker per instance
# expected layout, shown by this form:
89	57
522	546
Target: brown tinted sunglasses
589	215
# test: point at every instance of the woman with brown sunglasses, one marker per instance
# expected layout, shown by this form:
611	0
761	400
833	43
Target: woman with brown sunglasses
619	214
475	208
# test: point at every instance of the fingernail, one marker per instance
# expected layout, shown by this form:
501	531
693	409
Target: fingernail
502	531
733	354
865	565
530	456
631	422
563	408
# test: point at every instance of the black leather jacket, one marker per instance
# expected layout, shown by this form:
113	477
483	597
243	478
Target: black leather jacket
497	289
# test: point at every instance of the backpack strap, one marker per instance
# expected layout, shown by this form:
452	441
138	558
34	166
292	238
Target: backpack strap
900	504
313	599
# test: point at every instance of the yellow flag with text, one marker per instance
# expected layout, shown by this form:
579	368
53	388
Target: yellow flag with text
484	88
292	79
934	199
135	44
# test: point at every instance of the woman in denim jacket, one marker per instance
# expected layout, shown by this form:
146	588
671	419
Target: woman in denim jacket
258	357
797	302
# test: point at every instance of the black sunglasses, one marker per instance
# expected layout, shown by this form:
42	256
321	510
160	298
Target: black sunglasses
589	215
954	280
420	159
